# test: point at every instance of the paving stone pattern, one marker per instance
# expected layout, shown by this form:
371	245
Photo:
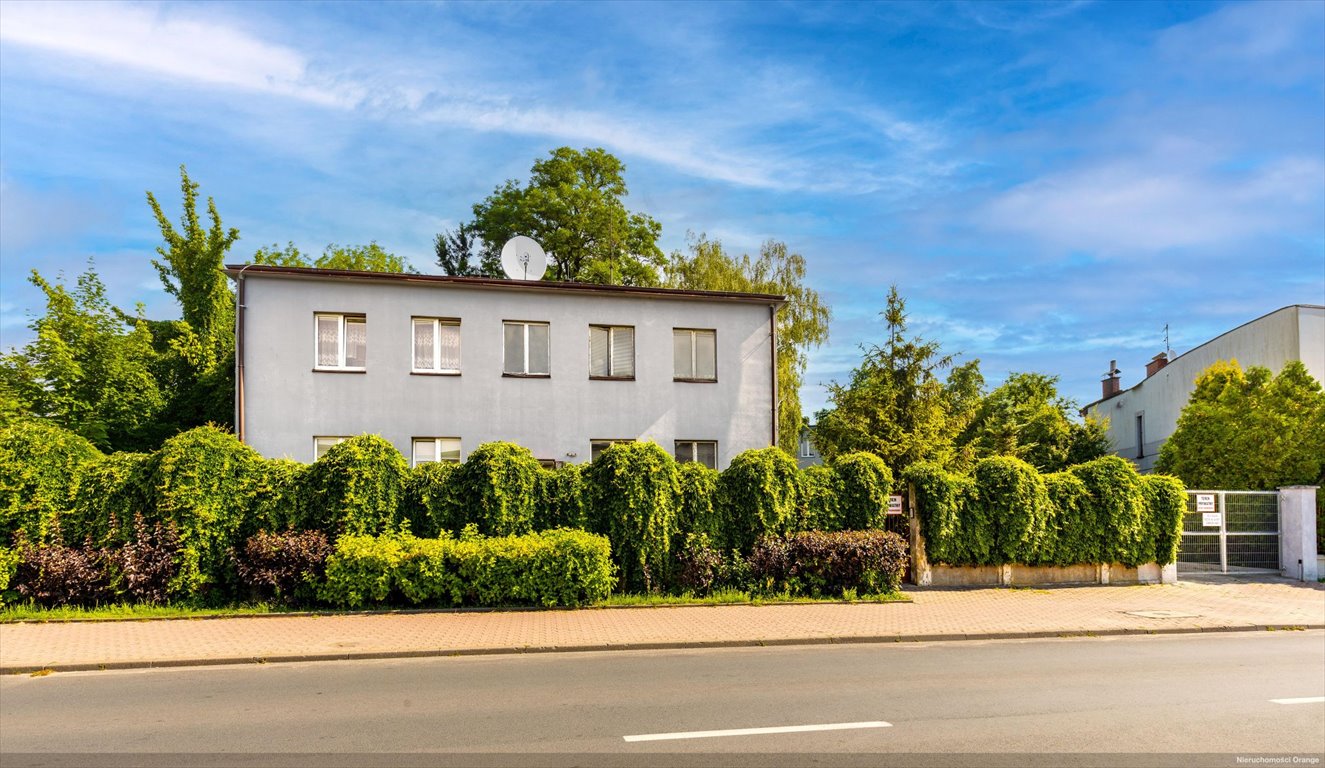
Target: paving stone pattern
934	614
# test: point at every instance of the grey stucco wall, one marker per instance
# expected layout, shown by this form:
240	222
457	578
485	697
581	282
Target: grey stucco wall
1291	333
287	403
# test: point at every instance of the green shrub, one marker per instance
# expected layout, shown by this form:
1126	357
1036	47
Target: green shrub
820	508
495	490
8	565
1070	536
560	498
38	468
356	488
827	564
428	498
941	499
110	491
275	493
632	492
361	569
1165	504
201	482
1010	511
556	567
864	484
696	512
1117	503
759	493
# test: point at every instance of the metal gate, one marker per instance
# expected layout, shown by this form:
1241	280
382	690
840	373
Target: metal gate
1230	531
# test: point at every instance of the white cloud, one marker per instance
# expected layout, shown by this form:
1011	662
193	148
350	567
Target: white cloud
155	40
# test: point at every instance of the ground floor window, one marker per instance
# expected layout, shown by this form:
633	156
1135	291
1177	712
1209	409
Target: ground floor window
596	447
323	444
429	449
703	451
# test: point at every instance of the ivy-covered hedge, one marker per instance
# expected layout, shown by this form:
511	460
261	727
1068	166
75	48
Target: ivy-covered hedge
110	491
760	493
632	493
39	464
864	483
358	487
561	501
1005	512
428	504
556	567
820	509
697	510
495	489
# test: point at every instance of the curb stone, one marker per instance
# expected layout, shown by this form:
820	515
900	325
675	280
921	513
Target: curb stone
22	669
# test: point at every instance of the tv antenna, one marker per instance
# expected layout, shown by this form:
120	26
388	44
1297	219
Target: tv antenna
522	258
1168	351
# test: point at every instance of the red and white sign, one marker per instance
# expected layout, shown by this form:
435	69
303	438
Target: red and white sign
895	504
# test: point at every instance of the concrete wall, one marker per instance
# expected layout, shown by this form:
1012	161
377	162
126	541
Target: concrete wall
287	403
1291	333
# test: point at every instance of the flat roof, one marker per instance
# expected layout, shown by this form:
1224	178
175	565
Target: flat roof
494	283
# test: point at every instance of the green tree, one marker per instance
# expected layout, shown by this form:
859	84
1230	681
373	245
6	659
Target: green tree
1025	417
895	405
573	207
196	353
459	251
359	258
802	322
89	369
1249	430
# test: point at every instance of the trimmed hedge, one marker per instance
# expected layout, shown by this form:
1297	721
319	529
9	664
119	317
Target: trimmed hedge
760	493
632	490
697	511
495	490
1098	512
276	491
428	498
863	486
39	463
820	508
556	567
358	487
560	498
111	490
827	564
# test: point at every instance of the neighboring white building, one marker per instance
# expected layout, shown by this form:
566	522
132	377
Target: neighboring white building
1142	418
438	365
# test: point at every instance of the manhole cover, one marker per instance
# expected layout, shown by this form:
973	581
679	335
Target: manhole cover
1163	614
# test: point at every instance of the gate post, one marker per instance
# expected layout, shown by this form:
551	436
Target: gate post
920	573
1223	534
1297	532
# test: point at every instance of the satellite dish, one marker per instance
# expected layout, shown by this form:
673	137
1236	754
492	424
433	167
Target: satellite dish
523	259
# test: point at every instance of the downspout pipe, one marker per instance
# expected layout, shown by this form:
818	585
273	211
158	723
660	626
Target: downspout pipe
239	353
773	368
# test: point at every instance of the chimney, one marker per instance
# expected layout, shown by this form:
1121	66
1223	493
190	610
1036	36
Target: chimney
1157	362
1112	382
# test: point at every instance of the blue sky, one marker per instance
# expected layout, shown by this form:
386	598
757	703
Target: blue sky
1048	184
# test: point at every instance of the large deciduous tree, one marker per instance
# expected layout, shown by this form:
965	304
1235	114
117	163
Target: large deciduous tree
1249	429
89	369
358	258
895	405
801	324
572	205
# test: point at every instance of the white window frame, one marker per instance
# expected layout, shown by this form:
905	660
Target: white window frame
337	438
694	368
436	448
694	450
807	448
525	324
437	322
611	345
341	318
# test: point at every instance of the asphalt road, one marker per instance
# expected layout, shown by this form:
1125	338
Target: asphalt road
1100	701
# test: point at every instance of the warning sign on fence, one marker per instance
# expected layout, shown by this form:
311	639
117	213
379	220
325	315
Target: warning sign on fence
1205	502
895	504
1210	519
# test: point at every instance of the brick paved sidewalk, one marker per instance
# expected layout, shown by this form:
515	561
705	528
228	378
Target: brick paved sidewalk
934	615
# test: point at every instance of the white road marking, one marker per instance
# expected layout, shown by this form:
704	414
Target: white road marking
1305	700
757	731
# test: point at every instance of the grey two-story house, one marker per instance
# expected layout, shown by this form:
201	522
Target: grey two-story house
439	365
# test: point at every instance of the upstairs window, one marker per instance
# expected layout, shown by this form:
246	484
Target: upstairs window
429	449
527	349
341	342
703	451
807	448
436	345
694	355
611	352
323	444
